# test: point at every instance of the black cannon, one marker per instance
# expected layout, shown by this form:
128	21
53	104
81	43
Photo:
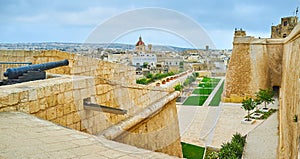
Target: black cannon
30	72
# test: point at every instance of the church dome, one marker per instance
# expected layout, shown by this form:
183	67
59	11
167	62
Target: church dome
140	42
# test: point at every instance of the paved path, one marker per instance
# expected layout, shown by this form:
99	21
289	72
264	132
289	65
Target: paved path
25	136
262	142
191	119
187	115
212	126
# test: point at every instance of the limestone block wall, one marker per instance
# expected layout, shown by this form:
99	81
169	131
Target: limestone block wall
290	98
60	99
158	133
275	53
254	64
14	56
51	99
239	73
86	66
273	62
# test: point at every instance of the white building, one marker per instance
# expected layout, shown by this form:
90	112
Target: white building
142	58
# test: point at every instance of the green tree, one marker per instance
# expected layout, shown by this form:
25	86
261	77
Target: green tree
145	64
265	96
248	104
150	75
178	87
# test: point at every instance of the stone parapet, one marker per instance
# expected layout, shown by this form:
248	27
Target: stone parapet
59	98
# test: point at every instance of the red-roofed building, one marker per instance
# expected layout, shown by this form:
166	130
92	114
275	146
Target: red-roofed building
140	46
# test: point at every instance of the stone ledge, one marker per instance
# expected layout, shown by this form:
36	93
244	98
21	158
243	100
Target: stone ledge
121	127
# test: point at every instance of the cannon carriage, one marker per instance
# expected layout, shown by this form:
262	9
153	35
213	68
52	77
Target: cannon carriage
30	72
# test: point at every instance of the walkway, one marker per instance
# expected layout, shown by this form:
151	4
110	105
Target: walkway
25	136
262	142
197	123
212	126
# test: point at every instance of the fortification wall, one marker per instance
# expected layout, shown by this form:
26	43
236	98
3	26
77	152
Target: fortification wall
289	128
270	62
60	99
255	64
15	56
151	133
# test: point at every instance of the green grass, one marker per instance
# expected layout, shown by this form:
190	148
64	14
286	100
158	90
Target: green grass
201	85
191	151
217	98
195	100
205	79
209	82
203	91
207	86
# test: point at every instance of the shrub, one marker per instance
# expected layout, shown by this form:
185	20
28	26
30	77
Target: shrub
233	149
211	155
151	78
195	74
142	81
150	75
178	87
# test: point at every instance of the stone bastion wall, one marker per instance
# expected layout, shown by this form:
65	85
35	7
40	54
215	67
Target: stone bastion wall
60	99
262	63
255	63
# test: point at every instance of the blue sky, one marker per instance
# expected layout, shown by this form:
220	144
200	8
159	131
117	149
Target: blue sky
74	20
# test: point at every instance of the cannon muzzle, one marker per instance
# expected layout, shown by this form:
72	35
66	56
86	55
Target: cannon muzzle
14	73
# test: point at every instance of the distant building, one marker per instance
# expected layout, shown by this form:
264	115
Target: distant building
206	47
142	58
283	29
140	46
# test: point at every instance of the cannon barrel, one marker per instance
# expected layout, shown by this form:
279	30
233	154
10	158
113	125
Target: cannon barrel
13	73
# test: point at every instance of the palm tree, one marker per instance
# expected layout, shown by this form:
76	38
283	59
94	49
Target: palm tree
248	104
265	96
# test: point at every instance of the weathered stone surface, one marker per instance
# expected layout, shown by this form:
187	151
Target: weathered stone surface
60	99
262	63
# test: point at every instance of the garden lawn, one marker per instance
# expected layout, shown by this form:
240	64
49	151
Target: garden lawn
195	100
191	151
203	91
209	82
217	98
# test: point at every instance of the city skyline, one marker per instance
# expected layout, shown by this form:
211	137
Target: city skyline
73	21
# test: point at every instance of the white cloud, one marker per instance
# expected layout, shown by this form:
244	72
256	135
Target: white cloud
90	16
32	19
247	9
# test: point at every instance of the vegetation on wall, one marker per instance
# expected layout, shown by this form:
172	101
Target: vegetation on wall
153	77
178	87
189	80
